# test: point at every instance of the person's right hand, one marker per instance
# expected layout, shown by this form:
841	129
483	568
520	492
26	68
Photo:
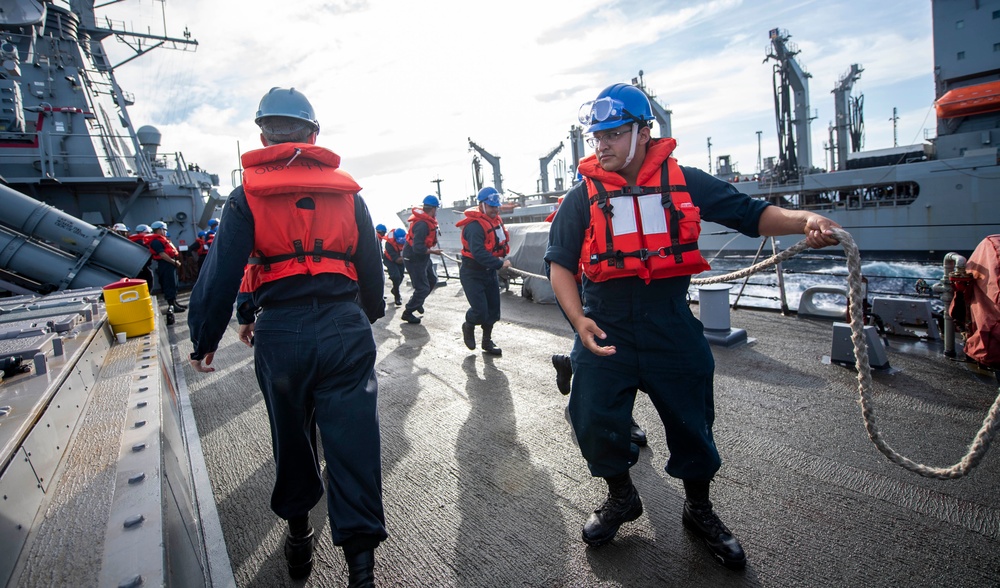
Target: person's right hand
506	264
589	334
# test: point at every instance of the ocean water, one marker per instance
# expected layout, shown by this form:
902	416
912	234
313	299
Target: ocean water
885	278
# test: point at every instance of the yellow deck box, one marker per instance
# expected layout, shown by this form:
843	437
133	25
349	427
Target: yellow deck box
129	307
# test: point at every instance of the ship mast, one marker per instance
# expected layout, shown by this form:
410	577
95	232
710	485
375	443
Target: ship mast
494	161
543	162
844	122
790	82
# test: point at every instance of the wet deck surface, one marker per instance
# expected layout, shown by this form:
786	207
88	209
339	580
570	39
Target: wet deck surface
484	486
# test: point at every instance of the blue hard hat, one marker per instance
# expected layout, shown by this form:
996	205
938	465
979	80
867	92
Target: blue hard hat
399	235
142	228
286	102
212	223
380	228
431	201
158	225
489	196
201	234
616	105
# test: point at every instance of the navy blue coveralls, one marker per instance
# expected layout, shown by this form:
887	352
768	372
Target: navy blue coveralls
391	261
479	278
418	264
661	347
315	361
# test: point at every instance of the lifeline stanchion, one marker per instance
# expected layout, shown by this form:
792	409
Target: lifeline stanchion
983	438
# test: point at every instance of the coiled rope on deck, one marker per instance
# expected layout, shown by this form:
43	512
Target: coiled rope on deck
983	438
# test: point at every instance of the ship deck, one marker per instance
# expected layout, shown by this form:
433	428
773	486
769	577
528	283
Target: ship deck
484	485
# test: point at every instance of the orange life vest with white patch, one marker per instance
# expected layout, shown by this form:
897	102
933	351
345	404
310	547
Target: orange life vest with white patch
303	209
496	238
649	231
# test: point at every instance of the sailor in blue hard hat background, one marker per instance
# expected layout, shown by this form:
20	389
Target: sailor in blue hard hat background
421	243
392	259
632	228
485	245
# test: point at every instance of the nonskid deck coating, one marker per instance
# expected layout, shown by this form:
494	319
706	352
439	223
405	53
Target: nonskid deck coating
484	486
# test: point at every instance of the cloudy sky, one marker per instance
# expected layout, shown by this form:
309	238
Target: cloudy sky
400	87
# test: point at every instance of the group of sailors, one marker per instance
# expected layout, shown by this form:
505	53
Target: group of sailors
309	284
166	259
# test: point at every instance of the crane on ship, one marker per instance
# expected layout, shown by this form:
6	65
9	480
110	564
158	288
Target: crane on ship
494	161
848	119
661	114
791	87
543	182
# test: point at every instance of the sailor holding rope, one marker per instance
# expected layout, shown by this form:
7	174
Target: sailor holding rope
632	228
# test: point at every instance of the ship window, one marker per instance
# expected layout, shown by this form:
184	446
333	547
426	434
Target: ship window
961	55
960	24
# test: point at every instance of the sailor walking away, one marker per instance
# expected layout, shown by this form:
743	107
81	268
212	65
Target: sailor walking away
315	276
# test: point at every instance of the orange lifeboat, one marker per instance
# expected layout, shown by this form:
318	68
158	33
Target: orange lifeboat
970	100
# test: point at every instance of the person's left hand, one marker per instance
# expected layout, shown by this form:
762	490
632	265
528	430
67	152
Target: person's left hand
204	365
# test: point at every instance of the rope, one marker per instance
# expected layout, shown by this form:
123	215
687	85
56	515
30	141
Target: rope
983	437
977	450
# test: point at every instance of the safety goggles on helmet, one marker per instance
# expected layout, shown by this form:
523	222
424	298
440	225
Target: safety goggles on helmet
606	110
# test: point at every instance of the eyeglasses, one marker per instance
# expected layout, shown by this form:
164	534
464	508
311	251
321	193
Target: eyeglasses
606	138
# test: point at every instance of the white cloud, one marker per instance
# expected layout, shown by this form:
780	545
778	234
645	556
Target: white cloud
400	86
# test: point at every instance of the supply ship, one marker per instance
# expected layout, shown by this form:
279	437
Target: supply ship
912	202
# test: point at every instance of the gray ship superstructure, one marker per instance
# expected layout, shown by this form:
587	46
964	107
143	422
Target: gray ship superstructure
67	142
908	202
915	202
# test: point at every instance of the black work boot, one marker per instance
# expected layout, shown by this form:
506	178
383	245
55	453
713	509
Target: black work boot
178	304
700	519
638	436
488	345
408	317
174	307
564	372
299	552
622	505
395	296
360	569
469	335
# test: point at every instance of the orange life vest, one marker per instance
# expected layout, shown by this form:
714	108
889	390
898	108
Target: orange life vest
303	206
168	247
139	238
418	215
397	247
649	231
496	238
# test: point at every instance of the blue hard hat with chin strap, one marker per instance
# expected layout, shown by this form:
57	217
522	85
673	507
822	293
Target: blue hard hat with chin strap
399	235
380	228
489	196
431	201
616	105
